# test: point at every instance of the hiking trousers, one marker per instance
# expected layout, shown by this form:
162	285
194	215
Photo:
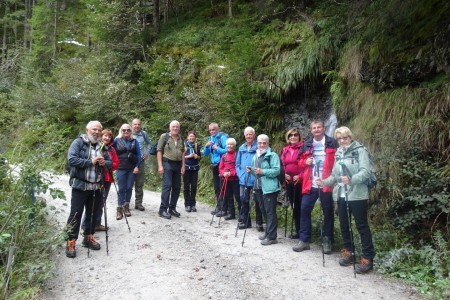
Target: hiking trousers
82	200
268	204
358	209
190	181
171	184
139	180
307	205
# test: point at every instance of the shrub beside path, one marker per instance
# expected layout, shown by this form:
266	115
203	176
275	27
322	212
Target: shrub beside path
186	258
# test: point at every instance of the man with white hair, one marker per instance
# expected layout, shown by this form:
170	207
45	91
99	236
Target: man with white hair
170	158
87	158
244	158
266	167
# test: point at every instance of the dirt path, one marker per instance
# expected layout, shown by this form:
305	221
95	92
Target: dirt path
186	258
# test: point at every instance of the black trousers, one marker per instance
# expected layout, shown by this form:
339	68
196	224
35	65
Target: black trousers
294	193
357	209
190	181
82	200
216	180
244	216
171	185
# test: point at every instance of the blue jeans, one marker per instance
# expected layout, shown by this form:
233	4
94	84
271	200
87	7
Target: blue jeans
358	209
171	185
268	204
125	181
307	205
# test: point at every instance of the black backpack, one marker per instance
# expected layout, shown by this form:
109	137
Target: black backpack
154	149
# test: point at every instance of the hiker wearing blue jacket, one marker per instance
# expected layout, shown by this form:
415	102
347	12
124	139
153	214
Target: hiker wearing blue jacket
216	147
246	180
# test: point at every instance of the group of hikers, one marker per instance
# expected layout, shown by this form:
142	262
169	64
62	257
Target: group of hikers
318	169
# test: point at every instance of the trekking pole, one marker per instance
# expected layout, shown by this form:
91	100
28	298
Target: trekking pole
218	197
286	210
92	221
106	224
117	191
349	216
242	204
321	214
224	198
293	212
248	215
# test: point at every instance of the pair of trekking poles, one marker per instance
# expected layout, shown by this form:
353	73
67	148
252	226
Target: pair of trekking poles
349	217
221	197
105	212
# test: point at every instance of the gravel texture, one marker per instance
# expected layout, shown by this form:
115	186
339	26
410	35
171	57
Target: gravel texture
187	258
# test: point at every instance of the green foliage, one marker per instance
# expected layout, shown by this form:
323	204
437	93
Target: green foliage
25	231
426	267
425	196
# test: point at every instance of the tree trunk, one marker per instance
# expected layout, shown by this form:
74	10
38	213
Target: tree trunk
5	33
230	10
156	15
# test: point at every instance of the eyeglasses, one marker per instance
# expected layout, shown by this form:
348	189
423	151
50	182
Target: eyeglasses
293	134
262	143
343	138
126	130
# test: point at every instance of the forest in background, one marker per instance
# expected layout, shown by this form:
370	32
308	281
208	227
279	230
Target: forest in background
382	65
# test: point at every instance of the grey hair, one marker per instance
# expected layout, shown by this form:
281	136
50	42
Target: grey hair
249	129
232	141
263	137
92	123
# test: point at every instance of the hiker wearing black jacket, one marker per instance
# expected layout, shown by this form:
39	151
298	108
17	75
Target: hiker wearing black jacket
192	156
87	159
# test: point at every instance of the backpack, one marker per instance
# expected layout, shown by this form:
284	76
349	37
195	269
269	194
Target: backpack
219	138
372	181
154	149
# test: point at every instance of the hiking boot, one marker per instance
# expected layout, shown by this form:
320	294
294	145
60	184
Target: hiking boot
294	236
174	213
70	249
221	214
326	242
267	242
227	218
365	266
90	242
193	209
126	210
188	209
346	258
262	237
119	214
100	227
301	246
241	225
139	206
259	227
164	214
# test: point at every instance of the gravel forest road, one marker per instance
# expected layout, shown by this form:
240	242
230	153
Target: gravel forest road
186	258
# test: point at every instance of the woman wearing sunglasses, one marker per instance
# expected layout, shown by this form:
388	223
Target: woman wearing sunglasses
293	175
129	153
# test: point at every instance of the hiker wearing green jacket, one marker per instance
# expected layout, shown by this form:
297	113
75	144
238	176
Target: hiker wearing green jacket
350	176
266	167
